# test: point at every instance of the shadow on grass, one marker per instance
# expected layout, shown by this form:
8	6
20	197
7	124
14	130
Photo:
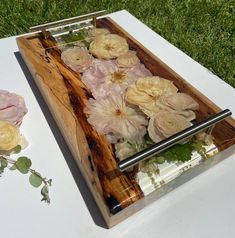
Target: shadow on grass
84	190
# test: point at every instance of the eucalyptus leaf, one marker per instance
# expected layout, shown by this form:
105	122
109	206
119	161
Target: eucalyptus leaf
23	164
3	163
35	180
1	171
13	167
17	149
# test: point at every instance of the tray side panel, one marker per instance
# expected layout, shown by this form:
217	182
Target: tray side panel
55	93
65	95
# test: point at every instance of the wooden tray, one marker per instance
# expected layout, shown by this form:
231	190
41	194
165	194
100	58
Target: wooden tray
65	95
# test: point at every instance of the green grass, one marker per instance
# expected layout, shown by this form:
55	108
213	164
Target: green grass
204	29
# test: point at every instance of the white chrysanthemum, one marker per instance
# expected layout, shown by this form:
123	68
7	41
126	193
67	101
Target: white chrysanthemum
112	115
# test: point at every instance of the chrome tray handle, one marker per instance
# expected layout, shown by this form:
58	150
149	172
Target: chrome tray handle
92	16
208	123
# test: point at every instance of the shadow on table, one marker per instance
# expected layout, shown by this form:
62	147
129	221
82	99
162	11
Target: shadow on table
84	190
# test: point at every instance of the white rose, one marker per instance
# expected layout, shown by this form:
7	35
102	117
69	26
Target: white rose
164	124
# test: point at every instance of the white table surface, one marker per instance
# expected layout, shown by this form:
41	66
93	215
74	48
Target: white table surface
203	207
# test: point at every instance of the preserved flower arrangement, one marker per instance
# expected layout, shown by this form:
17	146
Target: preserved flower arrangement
133	108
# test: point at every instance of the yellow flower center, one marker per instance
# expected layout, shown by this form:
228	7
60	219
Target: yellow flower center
118	112
118	77
108	47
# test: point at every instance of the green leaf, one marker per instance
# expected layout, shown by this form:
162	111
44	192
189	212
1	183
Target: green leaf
160	160
1	171
17	149
23	164
3	163
13	167
179	152
35	180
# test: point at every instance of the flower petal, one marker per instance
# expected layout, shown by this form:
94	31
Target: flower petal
165	124
77	58
108	46
9	136
12	107
112	115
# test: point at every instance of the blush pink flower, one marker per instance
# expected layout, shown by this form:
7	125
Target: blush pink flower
111	116
12	107
105	77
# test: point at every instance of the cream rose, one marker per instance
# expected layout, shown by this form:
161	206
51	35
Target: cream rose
129	59
164	124
9	136
93	32
179	101
146	91
76	58
108	46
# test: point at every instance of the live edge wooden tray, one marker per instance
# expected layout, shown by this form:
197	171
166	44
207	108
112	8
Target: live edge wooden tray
116	193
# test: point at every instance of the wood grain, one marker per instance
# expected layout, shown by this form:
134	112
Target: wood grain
116	187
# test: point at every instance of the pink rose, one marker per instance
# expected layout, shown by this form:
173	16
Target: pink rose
12	107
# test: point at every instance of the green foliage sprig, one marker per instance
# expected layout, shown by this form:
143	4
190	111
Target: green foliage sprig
72	37
23	165
178	152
